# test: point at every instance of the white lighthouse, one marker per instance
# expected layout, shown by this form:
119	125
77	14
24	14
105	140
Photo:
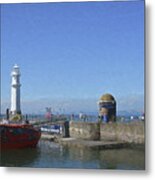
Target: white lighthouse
15	91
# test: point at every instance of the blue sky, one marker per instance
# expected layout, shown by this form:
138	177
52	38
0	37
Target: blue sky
72	53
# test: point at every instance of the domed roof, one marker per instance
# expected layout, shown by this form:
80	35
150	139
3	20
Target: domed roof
107	97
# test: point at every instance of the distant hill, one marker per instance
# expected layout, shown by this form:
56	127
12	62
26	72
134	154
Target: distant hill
129	113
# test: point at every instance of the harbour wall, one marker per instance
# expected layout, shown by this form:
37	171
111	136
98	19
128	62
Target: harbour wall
126	132
84	130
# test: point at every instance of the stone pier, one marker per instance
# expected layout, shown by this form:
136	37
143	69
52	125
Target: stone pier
133	132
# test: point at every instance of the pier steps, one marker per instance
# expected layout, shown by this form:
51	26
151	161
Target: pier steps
79	143
92	144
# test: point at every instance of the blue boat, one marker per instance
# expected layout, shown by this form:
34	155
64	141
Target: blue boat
52	129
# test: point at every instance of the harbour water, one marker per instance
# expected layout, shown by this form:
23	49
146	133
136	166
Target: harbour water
53	155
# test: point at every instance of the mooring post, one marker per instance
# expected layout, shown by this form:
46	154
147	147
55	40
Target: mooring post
7	114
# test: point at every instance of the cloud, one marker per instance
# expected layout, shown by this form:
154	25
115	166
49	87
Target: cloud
128	103
57	105
131	102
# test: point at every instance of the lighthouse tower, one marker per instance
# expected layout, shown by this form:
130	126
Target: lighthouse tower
15	91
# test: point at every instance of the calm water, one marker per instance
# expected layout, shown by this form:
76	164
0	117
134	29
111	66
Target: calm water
52	155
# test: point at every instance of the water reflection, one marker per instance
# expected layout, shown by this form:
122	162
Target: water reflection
123	159
19	157
109	159
52	155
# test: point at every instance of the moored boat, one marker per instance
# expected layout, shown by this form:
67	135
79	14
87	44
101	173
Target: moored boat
52	129
18	136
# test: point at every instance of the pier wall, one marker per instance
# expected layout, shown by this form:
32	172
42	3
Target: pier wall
125	132
84	130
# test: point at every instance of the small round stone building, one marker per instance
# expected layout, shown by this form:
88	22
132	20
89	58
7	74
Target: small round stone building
107	108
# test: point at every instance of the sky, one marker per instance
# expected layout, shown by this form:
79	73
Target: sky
70	54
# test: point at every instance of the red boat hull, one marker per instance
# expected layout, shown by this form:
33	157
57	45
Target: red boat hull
14	136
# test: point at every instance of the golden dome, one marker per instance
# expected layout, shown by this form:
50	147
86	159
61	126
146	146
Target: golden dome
107	97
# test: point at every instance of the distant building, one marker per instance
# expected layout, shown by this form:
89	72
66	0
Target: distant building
48	114
142	117
107	108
